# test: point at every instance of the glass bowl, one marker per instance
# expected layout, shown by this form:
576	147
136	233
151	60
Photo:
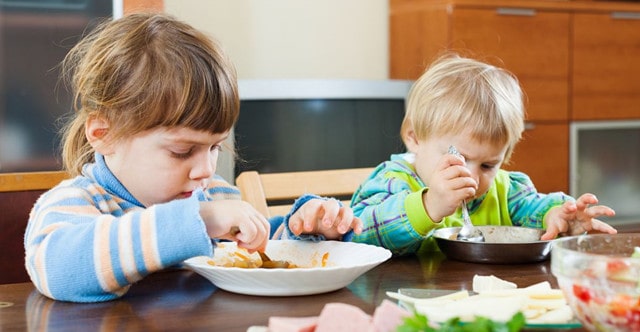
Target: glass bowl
600	278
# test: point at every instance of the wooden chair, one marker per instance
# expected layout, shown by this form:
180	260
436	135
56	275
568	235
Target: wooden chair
18	193
273	193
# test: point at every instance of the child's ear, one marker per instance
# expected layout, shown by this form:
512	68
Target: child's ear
410	139
96	130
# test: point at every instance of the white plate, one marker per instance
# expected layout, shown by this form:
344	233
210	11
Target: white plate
345	262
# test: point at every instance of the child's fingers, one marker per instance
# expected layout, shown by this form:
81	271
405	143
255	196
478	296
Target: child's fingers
345	220
551	233
310	212
448	160
331	209
307	216
295	223
357	225
254	227
600	210
569	208
253	235
603	227
585	200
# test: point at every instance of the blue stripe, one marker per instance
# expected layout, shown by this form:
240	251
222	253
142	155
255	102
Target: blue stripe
115	254
136	243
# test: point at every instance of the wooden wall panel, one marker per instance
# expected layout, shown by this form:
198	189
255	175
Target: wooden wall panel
131	6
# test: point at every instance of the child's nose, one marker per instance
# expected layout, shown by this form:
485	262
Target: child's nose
204	168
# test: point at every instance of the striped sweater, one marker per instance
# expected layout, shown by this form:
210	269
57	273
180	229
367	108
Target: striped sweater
390	205
88	239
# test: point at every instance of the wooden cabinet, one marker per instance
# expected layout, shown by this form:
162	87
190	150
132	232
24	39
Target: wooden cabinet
576	60
130	6
606	66
543	154
504	37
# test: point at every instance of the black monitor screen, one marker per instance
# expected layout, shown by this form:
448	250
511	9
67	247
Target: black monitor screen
315	134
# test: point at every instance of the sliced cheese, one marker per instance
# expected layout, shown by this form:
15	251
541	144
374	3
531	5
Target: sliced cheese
490	283
496	299
560	315
532	293
431	300
546	303
498	309
545	285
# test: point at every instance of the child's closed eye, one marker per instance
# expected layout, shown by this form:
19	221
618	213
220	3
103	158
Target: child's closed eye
181	154
488	167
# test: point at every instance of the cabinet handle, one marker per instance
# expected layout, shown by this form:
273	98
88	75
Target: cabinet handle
515	11
625	15
529	126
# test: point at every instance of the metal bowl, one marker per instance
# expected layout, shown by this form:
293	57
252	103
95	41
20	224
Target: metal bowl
503	245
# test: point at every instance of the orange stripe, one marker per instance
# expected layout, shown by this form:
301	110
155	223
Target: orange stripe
39	267
127	257
39	252
149	241
102	255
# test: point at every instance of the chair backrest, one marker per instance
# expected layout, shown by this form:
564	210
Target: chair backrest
274	193
18	193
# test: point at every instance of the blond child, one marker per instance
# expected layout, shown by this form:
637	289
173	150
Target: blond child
154	101
478	109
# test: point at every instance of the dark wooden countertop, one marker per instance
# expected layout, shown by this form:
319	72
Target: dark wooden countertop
182	300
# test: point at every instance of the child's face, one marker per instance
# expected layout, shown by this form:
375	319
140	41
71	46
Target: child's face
482	159
164	164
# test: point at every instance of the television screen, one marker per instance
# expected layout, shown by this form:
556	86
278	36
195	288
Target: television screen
34	38
314	125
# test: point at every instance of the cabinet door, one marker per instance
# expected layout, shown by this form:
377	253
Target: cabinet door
417	33
606	66
534	45
543	154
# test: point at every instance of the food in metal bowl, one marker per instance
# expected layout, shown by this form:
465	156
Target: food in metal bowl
502	245
600	277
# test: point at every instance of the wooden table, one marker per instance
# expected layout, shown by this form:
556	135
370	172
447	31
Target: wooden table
182	300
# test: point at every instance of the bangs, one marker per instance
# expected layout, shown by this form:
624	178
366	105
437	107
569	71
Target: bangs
189	83
199	101
198	93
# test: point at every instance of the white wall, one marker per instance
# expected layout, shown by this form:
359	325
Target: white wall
294	38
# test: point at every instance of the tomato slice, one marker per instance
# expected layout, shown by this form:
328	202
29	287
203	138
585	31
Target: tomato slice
584	294
616	266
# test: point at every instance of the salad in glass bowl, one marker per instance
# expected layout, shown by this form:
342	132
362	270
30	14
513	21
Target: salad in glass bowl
600	277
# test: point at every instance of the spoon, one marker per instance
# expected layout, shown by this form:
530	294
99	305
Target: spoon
264	257
467	232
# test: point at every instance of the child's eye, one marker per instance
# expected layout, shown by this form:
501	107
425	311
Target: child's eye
488	166
217	147
182	155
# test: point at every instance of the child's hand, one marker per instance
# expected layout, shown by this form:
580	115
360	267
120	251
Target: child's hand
578	217
326	217
450	183
237	221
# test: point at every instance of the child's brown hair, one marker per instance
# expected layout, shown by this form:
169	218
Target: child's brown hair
144	71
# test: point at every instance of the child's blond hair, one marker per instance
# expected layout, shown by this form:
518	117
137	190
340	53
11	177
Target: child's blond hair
144	71
466	96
